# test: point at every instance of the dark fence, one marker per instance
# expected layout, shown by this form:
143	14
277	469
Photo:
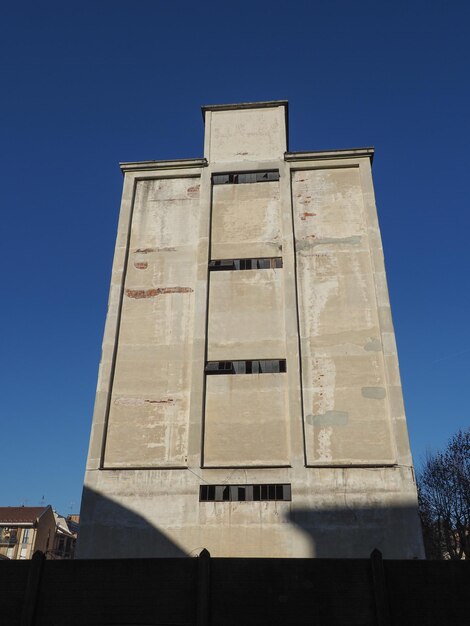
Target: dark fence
234	592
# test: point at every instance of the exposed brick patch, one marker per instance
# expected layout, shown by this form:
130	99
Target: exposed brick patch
193	191
138	294
149	250
141	266
306	214
131	401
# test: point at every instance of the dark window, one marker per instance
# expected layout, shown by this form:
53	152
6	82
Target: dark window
245	264
267	366
239	367
244	493
220	367
244	177
8	536
223	264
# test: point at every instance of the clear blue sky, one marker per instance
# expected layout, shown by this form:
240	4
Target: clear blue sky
88	84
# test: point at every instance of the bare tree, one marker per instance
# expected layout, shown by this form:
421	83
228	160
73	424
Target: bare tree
444	500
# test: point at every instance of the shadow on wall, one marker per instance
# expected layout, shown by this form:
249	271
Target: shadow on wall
113	531
353	532
117	532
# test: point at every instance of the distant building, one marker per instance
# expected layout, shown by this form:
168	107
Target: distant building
65	537
249	397
26	529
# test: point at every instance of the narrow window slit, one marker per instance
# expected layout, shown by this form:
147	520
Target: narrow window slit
245	493
218	265
239	178
266	366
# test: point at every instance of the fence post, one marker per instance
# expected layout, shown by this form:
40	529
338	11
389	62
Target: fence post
32	589
380	591
203	588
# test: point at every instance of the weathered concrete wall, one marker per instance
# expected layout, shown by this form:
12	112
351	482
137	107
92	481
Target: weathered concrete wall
333	423
246	221
246	315
346	408
148	416
246	420
334	512
245	134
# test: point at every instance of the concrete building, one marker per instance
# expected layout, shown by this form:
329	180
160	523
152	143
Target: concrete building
249	398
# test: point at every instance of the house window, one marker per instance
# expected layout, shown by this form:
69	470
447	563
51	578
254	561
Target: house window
26	535
240	178
264	366
8	536
245	493
218	265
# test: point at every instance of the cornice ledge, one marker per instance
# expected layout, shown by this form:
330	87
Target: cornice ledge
142	166
321	155
244	105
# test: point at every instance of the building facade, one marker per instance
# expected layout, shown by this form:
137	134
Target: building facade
249	398
26	529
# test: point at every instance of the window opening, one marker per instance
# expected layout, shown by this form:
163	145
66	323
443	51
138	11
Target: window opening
266	366
239	178
245	493
245	264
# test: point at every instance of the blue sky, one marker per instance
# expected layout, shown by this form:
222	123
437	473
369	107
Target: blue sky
88	84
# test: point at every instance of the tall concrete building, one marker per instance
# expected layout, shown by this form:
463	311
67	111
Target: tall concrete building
249	398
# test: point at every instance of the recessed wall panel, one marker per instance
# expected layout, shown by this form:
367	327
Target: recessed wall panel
245	221
148	415
246	420
246	316
345	394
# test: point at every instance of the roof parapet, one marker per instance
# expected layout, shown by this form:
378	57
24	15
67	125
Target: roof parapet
138	166
347	153
244	105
